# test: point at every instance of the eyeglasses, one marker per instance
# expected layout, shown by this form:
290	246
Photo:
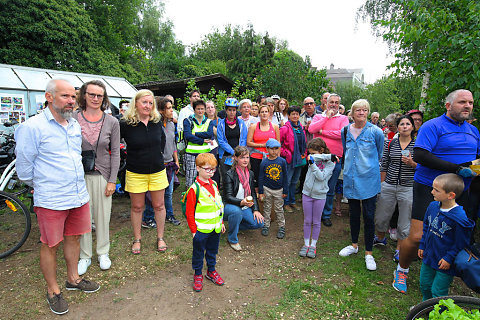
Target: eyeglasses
93	95
309	103
209	170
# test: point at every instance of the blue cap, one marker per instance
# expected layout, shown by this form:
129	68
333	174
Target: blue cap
273	143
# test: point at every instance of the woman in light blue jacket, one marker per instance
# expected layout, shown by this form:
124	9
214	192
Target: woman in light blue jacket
231	132
363	145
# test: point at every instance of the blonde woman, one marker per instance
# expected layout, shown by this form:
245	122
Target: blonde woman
142	130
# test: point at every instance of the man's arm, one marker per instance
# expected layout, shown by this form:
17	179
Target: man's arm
429	160
26	151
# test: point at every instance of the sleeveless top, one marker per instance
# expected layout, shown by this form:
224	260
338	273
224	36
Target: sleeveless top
261	137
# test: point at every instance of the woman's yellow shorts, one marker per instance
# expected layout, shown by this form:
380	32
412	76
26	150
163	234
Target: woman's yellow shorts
143	182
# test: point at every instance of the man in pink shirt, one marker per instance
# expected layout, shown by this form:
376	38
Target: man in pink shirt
328	126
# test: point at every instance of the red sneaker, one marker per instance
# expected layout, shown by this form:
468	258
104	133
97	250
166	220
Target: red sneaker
215	278
197	283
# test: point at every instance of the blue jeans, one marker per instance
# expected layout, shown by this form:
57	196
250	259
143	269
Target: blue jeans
293	174
168	198
239	219
205	245
368	208
149	214
327	210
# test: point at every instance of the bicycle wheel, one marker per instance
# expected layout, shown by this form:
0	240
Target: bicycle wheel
15	224
422	309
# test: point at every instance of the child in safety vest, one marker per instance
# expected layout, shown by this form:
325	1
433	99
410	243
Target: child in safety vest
204	212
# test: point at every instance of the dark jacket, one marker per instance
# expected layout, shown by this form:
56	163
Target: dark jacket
231	183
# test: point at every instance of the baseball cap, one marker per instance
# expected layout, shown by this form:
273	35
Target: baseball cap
273	143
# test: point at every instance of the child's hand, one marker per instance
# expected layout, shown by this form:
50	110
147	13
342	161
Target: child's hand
443	265
223	228
193	234
420	253
261	197
284	196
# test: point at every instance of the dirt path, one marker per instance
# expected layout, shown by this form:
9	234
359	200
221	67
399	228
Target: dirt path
169	294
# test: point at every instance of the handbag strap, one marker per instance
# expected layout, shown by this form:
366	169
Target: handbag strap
99	133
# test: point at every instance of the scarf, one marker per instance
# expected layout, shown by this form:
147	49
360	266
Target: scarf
299	144
244	177
231	123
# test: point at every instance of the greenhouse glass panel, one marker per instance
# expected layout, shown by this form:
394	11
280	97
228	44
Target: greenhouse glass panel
8	79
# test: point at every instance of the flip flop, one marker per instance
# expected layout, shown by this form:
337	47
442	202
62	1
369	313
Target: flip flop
136	251
161	248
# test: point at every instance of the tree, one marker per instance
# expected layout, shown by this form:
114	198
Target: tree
56	34
293	78
438	38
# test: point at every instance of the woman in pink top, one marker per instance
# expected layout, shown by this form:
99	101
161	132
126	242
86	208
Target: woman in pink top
258	136
328	126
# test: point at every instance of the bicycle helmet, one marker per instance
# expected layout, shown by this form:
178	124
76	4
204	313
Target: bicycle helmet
231	102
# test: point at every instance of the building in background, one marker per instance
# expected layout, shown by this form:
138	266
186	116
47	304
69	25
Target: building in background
354	76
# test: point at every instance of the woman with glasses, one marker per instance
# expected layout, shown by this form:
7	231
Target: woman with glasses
142	130
101	139
241	206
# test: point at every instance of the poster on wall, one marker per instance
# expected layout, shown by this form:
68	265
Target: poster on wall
12	107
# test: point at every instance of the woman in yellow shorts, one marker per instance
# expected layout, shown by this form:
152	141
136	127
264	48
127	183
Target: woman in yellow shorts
142	130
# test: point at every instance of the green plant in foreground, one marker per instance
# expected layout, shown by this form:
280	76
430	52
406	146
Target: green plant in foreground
452	311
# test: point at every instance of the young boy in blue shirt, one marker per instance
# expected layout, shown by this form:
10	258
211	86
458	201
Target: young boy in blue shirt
273	186
446	231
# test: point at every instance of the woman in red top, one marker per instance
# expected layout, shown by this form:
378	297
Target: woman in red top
257	138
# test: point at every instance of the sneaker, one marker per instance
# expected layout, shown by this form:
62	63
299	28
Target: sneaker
288	209
393	234
293	207
370	262
173	220
327	222
236	246
303	252
378	242
83	285
396	256
312	252
400	281
104	261
215	278
197	283
265	231
57	303
150	224
348	250
83	265
344	200
281	233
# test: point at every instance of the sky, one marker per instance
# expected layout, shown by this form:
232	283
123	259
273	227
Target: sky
324	30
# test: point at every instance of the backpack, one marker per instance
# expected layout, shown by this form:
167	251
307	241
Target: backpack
183	200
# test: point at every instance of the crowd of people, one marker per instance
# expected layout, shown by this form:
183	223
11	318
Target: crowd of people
260	154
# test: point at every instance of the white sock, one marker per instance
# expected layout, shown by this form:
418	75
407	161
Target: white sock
401	269
314	243
307	242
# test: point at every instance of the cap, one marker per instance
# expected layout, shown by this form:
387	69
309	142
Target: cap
273	143
414	111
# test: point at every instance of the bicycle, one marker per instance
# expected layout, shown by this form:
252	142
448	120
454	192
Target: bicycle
15	218
423	309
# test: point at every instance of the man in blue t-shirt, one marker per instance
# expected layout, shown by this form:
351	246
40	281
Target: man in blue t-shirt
446	144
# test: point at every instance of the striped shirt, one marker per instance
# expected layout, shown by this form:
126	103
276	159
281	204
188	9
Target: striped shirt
398	173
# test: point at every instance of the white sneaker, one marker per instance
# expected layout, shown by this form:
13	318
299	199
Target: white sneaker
344	200
370	262
83	265
393	234
236	246
104	261
348	250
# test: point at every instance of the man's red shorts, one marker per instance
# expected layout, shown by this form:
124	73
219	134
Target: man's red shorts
54	224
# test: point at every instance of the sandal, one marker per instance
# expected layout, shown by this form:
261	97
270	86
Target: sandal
161	248
136	251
